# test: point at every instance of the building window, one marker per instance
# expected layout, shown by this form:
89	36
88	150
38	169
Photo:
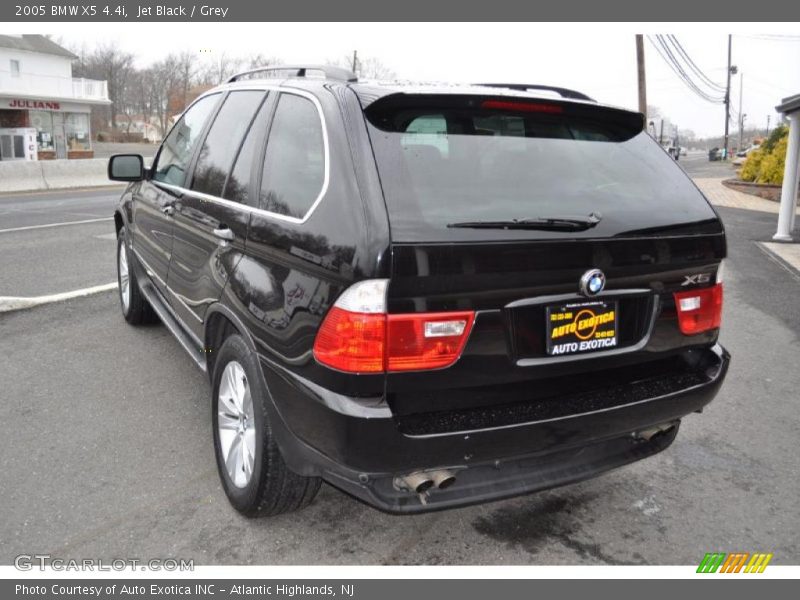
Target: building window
76	128
14	68
43	122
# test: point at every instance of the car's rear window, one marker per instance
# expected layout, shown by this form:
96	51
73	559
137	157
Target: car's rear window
455	159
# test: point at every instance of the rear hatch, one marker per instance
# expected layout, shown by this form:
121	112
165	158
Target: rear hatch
519	209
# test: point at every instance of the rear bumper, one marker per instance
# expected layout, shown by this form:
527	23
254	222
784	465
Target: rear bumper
361	449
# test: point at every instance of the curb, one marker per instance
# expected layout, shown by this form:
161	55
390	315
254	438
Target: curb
13	303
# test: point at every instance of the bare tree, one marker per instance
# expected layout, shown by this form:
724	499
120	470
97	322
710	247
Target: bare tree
111	63
365	68
128	103
161	90
260	60
218	69
373	68
186	65
163	78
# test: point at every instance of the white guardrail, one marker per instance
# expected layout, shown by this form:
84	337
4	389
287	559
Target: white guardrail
23	176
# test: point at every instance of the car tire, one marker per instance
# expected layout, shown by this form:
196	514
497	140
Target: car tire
135	307
251	467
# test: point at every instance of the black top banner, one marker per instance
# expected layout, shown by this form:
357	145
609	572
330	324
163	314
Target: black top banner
407	10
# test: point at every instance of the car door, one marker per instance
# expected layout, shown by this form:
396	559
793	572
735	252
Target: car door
154	199
210	221
298	258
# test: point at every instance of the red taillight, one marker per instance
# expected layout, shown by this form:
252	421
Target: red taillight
352	342
416	342
699	310
522	106
359	342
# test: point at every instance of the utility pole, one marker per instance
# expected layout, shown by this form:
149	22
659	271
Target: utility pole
728	98
661	133
741	142
768	116
640	71
355	61
741	114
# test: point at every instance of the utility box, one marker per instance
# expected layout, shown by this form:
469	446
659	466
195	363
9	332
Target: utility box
18	143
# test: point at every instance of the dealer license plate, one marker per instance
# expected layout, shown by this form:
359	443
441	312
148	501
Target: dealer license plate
578	327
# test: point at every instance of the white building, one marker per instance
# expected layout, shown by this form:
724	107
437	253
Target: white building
38	92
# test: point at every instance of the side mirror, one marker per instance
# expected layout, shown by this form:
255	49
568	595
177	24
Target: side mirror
126	167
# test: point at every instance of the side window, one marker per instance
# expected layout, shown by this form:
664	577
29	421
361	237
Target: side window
223	140
237	188
173	159
294	166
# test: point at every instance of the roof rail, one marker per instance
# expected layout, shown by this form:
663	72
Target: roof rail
330	72
524	87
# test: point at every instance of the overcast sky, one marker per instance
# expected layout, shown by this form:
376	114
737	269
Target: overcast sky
598	59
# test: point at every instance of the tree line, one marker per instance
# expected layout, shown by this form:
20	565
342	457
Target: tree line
163	89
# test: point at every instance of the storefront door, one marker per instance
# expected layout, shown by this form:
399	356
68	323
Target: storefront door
58	134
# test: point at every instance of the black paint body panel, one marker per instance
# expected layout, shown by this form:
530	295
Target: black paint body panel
506	416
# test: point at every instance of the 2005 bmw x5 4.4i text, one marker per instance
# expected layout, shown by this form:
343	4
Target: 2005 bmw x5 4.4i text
426	296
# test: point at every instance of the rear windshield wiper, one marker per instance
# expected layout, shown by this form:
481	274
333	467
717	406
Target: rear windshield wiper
543	223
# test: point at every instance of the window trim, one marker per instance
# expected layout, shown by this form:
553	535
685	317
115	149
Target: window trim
202	136
254	209
189	180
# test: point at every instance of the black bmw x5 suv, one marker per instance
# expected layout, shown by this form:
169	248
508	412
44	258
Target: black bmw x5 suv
427	296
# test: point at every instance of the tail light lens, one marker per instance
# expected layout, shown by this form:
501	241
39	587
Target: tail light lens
417	342
357	336
352	342
699	310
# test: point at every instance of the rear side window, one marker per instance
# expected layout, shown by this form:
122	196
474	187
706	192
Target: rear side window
447	160
177	149
222	143
237	189
294	165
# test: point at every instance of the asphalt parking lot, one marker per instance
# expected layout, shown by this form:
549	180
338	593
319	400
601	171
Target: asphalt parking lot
107	452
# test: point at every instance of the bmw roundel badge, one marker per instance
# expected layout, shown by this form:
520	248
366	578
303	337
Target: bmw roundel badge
592	282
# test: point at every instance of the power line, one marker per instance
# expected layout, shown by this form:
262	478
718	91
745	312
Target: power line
693	66
685	76
673	64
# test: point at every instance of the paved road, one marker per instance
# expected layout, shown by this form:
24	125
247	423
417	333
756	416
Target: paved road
696	164
107	452
38	259
41	208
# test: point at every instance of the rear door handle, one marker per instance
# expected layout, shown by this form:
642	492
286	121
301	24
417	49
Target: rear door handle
224	233
168	210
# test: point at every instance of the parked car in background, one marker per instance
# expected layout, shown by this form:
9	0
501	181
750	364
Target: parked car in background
425	295
674	152
744	152
715	154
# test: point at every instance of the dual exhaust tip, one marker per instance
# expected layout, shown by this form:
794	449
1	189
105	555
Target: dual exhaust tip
422	481
648	435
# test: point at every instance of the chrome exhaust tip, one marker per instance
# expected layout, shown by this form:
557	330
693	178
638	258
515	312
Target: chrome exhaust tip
443	479
418	482
657	430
